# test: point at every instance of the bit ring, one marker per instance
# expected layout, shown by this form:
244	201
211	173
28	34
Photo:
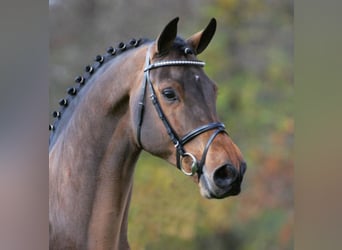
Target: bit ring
194	165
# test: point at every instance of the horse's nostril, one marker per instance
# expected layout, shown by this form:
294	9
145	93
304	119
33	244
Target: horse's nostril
225	175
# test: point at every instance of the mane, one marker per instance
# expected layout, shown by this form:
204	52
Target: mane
91	69
82	79
179	43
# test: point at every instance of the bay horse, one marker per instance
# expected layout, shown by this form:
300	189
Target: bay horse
143	95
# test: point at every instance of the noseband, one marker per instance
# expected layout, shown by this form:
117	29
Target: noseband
181	154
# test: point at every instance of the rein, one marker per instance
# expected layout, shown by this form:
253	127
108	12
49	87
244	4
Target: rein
181	154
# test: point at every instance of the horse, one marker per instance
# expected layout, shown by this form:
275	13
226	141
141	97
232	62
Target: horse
150	95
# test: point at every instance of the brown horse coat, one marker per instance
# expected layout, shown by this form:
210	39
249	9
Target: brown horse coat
94	145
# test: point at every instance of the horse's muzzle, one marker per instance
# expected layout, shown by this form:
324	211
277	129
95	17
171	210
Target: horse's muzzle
225	181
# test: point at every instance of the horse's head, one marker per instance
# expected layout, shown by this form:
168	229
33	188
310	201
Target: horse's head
179	122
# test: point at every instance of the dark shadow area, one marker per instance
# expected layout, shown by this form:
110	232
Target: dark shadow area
219	240
216	240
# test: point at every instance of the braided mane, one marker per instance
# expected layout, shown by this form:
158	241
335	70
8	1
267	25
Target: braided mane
90	69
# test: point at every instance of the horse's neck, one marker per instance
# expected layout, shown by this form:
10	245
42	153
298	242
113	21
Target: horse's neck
89	203
91	169
108	222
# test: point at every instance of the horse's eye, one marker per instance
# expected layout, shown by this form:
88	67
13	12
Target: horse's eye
170	94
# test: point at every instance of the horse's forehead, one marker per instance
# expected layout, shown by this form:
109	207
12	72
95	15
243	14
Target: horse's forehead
184	75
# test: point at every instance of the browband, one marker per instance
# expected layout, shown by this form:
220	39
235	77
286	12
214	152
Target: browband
173	63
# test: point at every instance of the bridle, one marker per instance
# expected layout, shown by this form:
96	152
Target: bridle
181	154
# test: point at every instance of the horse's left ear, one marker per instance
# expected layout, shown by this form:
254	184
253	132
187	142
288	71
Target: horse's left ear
200	40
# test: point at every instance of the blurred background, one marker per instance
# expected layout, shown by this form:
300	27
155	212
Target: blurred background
251	59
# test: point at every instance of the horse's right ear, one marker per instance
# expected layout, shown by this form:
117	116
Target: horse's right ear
200	40
167	36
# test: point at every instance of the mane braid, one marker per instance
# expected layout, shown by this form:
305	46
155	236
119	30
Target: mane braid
90	69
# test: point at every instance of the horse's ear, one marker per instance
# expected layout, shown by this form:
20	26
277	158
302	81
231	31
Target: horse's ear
200	40
167	37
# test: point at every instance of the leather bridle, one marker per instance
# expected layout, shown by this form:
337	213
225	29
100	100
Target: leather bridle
181	154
